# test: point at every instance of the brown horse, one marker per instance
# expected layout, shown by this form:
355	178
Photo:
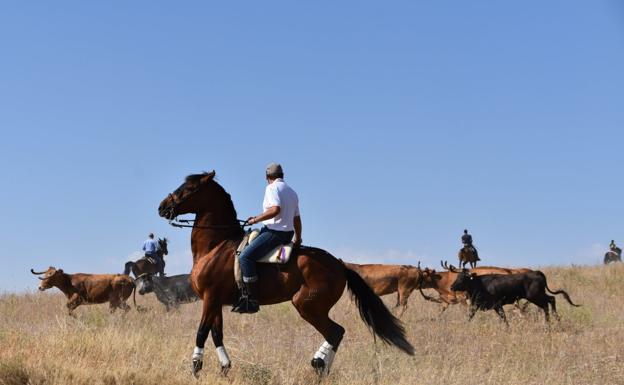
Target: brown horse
313	279
144	266
468	254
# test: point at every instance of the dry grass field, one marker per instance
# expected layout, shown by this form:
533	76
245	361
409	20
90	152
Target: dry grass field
40	344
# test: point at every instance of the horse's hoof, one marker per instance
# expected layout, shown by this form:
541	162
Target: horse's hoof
225	369
318	365
197	366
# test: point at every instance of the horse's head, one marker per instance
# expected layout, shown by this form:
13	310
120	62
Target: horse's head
162	246
190	197
51	277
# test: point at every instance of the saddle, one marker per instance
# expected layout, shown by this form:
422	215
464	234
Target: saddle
151	260
279	255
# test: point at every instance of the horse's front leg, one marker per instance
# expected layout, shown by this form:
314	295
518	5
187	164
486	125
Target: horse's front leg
217	338
209	313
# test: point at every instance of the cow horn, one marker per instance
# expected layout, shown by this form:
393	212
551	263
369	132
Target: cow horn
35	273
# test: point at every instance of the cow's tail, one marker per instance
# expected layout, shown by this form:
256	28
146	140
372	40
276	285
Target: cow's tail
565	295
134	295
128	267
375	314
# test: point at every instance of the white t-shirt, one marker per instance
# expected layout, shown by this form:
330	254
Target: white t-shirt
280	194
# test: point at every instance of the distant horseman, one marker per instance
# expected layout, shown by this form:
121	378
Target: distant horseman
150	247
614	254
468	253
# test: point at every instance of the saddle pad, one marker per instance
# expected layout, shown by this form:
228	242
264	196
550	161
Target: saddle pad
279	255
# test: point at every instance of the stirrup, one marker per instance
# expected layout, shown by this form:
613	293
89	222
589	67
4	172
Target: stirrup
246	306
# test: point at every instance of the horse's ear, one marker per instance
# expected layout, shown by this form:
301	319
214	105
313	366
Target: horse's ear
207	177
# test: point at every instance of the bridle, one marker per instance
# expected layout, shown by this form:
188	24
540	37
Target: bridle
190	223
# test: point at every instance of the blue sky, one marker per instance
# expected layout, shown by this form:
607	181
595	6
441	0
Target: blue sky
399	124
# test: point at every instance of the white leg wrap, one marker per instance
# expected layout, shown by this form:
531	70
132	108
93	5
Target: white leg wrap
224	359
326	353
198	354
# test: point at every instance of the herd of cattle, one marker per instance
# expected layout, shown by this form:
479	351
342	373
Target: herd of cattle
485	288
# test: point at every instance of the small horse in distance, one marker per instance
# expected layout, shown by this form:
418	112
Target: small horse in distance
145	266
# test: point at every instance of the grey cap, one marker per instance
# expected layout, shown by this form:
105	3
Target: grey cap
274	169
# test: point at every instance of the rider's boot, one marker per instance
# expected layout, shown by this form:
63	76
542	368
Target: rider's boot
248	302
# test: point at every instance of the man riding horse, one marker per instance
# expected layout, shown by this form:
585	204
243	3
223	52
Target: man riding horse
152	262
281	221
313	281
614	254
468	253
150	247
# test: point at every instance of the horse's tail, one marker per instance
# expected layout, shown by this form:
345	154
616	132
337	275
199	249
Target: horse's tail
128	267
375	314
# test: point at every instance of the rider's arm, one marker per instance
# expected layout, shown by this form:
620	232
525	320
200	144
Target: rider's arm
297	223
271	212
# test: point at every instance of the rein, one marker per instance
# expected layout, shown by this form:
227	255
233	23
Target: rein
190	223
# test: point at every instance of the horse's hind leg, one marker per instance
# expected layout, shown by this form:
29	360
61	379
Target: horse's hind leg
314	308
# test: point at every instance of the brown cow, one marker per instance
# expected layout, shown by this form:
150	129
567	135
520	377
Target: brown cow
387	279
442	281
89	288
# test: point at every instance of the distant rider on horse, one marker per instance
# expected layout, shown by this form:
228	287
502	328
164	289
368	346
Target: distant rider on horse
281	221
467	241
614	249
150	247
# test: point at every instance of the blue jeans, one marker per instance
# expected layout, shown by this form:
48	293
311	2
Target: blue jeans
258	248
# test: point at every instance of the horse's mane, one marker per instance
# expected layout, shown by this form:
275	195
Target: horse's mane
227	199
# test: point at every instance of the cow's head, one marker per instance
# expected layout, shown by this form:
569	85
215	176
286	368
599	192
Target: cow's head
463	280
51	277
426	277
144	284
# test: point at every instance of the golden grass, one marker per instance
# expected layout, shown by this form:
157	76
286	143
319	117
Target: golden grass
40	344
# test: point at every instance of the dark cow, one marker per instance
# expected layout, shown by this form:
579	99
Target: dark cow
89	288
171	291
441	282
492	291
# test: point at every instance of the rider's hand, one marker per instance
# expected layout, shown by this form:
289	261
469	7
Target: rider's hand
298	241
251	220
